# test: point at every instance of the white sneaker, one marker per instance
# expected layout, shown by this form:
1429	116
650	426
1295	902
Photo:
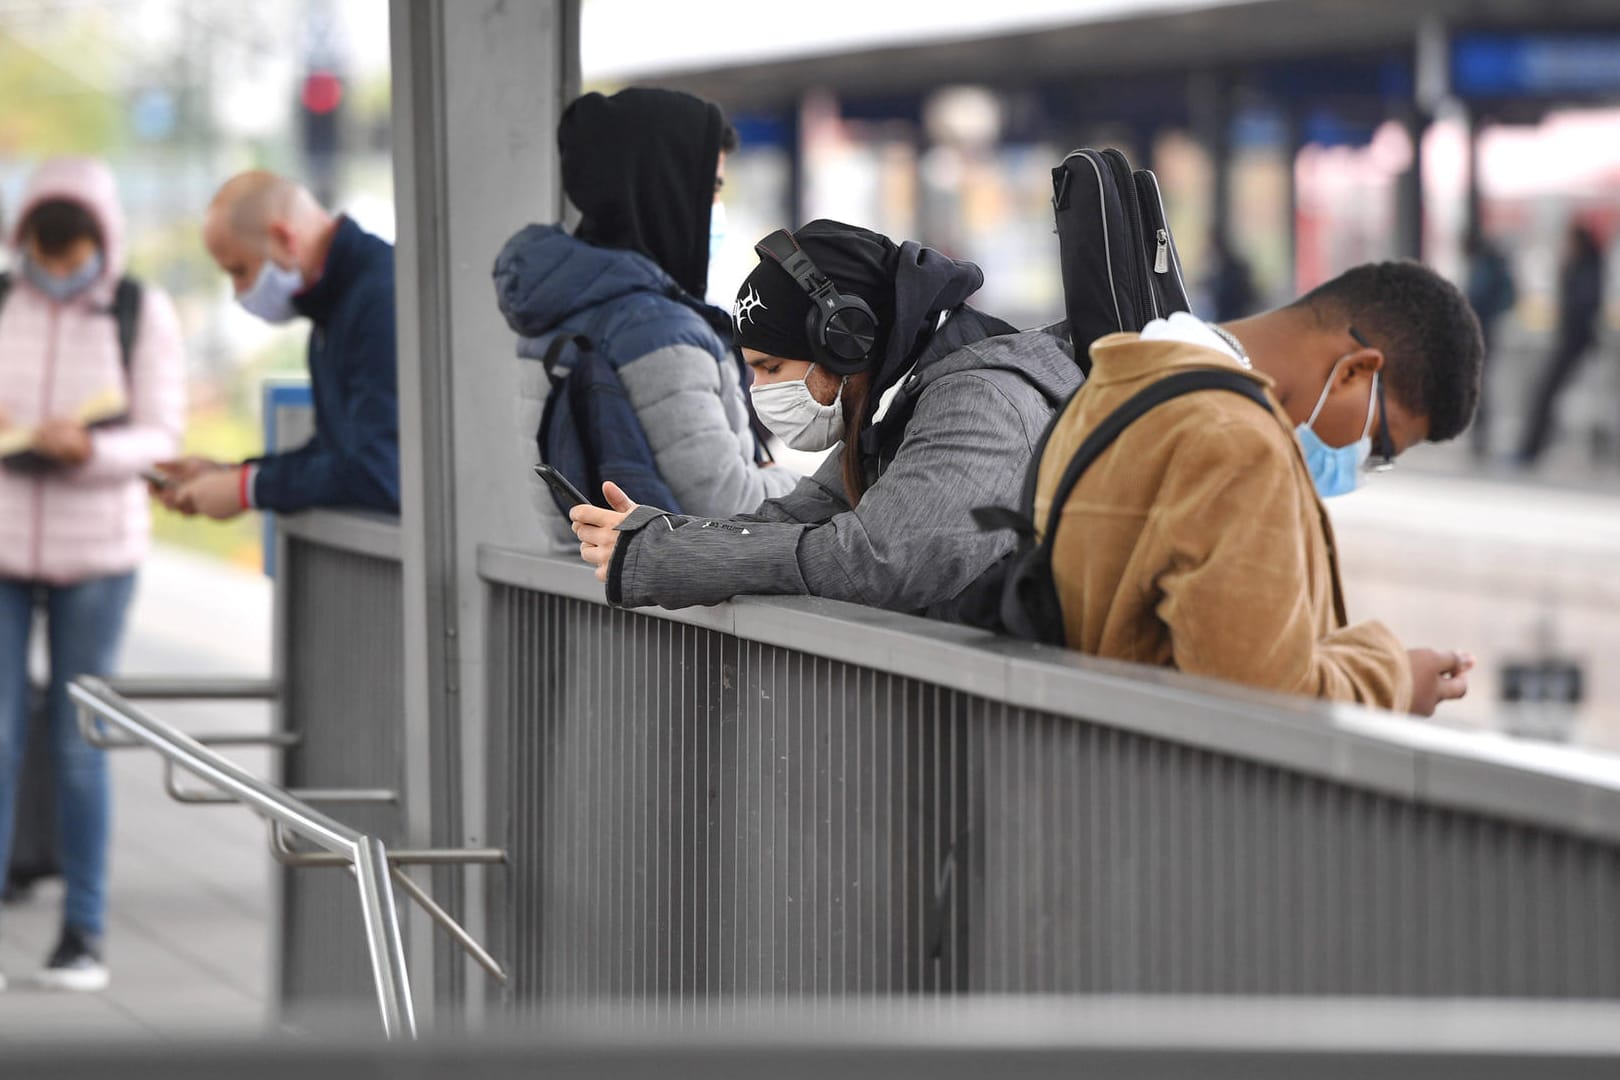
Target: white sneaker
75	964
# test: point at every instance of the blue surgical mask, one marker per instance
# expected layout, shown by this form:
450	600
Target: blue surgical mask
270	296
1336	470
64	287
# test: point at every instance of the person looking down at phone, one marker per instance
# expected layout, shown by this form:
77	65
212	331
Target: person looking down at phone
92	391
1199	540
287	257
646	169
833	320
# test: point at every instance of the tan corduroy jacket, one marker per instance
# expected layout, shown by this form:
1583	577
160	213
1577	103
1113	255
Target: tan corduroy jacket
1197	540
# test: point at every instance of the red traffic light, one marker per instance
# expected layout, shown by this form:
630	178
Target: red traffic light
323	92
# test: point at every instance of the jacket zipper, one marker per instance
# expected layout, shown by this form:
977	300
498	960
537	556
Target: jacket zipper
49	389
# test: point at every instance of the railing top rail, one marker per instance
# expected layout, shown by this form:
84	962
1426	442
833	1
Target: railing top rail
194	688
1564	788
358	531
213	767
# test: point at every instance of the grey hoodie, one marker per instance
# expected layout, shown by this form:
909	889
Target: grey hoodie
912	546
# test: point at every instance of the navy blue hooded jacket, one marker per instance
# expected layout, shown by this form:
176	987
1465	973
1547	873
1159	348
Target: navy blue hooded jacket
680	376
353	458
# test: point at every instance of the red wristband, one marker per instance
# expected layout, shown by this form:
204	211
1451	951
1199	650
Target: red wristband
242	473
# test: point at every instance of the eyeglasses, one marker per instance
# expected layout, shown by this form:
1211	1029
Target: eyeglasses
1382	458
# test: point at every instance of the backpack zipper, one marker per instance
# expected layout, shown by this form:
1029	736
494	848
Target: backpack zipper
1171	261
1133	217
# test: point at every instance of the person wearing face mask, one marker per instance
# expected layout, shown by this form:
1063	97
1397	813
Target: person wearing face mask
645	168
288	258
74	519
869	347
1198	539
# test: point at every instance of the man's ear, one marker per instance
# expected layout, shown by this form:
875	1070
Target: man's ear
1364	363
283	241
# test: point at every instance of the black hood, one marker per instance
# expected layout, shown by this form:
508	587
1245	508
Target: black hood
906	285
640	166
926	283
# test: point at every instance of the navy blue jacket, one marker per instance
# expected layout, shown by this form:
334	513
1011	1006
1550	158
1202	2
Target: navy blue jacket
353	458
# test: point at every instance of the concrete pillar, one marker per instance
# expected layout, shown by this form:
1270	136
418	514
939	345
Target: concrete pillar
478	87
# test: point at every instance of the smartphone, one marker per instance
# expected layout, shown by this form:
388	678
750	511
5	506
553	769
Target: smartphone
157	479
559	483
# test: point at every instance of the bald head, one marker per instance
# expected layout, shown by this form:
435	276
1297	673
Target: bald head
258	215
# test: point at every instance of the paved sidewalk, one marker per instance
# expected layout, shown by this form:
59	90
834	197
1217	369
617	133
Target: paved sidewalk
190	901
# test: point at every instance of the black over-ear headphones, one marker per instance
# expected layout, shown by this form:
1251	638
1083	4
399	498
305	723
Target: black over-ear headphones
842	328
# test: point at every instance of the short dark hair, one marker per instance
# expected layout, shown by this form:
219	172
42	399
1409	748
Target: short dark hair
1429	335
57	224
729	139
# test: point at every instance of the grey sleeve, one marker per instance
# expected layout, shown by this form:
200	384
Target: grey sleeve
697	425
814	499
675	561
909	545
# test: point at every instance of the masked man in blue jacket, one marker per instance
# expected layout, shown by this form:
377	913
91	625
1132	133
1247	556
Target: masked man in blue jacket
288	257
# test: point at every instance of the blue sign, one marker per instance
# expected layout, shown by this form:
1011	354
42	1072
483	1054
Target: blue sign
283	399
1535	65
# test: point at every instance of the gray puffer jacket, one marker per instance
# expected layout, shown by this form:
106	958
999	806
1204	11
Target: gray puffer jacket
680	376
981	405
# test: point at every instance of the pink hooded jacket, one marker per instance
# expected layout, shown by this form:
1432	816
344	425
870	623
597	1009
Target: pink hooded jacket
93	520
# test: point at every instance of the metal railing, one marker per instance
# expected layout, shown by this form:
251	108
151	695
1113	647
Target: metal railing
289	814
771	797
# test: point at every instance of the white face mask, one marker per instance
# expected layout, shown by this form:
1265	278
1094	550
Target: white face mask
795	416
270	296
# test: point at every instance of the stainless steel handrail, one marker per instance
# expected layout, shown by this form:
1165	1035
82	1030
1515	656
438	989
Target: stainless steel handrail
286	855
321	796
194	688
366	855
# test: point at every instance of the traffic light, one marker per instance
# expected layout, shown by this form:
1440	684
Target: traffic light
321	115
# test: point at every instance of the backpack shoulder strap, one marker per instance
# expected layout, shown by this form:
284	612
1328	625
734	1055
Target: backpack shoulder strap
554	352
125	310
1103	436
1022	520
126	313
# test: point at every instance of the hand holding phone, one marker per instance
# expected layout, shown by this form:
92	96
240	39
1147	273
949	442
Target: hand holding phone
560	484
157	478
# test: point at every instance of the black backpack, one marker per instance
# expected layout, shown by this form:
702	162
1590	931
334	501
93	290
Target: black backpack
1018	595
590	432
126	315
1119	261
